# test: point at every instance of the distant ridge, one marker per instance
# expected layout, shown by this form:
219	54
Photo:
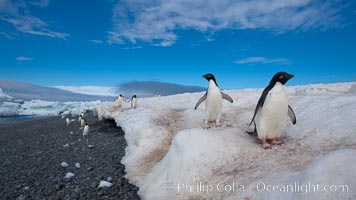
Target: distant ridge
28	91
152	88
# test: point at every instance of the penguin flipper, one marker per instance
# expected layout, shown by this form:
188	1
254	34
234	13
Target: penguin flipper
292	115
200	100
254	115
227	97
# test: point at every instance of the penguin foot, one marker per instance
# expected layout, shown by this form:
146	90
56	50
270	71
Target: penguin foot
266	145
206	126
218	125
276	142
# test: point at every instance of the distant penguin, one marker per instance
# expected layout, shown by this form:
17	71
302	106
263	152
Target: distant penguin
271	111
80	119
213	101
119	100
82	114
86	130
133	101
67	121
82	122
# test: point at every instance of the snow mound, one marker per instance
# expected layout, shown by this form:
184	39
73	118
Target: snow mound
170	157
331	176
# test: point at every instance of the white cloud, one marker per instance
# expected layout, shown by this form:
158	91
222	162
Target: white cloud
39	3
97	41
90	90
131	48
6	35
156	22
262	60
23	58
18	15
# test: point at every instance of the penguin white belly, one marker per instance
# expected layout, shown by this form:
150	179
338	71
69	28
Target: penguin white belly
213	103
119	102
134	102
271	118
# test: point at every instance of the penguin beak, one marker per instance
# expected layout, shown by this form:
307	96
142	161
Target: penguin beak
205	76
291	76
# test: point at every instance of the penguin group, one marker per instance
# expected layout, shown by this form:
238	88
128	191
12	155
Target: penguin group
120	99
270	114
82	123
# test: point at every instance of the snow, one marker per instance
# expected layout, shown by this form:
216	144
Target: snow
40	107
7	108
334	173
43	108
4	96
14	107
104	184
90	90
169	155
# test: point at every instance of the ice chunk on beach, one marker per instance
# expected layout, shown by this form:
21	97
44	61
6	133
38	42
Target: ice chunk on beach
77	165
64	164
8	112
104	184
69	175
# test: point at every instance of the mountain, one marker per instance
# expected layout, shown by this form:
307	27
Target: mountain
152	88
28	91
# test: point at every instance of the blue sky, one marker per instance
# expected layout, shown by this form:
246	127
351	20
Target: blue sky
105	42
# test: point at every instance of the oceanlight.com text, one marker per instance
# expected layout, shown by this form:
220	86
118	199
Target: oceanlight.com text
295	187
301	188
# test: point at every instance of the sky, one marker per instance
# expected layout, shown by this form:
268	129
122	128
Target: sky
244	43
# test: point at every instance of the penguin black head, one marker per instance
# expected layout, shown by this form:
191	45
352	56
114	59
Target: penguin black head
120	95
281	77
209	77
134	96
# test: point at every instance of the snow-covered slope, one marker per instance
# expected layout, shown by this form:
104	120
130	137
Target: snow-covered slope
170	157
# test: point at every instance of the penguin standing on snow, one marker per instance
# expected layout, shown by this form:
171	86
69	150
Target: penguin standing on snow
133	101
271	111
119	100
213	101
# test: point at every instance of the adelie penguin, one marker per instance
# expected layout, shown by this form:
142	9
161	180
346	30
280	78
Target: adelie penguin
213	101
272	110
133	101
86	130
119	100
67	121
